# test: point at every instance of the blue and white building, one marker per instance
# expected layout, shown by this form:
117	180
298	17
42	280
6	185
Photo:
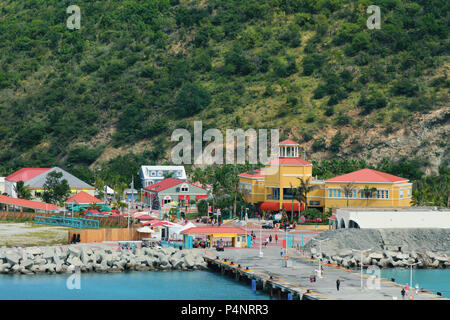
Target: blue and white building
154	174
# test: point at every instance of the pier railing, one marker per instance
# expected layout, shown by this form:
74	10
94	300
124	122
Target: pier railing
78	223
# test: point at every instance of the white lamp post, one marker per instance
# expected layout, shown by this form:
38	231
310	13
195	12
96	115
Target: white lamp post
320	250
362	263
410	273
260	242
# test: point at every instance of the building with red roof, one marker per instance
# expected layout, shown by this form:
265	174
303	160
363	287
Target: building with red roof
170	190
16	204
34	179
273	186
236	237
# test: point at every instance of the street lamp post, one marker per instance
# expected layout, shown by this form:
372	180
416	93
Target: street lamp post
320	250
361	263
410	273
260	242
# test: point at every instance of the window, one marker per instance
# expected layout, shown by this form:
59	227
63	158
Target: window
184	188
153	173
334	193
409	193
167	201
401	193
382	194
160	173
179	173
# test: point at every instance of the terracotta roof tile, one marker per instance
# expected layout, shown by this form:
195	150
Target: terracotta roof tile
367	175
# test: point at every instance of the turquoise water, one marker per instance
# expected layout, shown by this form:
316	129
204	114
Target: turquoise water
172	285
429	279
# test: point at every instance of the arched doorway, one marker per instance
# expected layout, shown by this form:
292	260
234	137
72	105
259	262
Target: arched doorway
342	224
353	224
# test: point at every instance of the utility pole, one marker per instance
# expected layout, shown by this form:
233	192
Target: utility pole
320	252
361	264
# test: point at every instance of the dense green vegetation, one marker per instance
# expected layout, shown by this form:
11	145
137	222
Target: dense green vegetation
136	70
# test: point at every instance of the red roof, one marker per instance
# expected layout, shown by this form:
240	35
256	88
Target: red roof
83	197
253	174
288	142
26	174
289	161
209	230
28	203
166	184
367	175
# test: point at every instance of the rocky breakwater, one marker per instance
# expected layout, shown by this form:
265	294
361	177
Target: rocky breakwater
389	247
68	259
383	258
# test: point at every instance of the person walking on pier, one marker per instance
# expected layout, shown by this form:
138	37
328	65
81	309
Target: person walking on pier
270	239
338	284
403	293
276	238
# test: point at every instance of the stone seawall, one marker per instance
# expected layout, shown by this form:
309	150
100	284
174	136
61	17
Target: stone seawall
68	259
430	248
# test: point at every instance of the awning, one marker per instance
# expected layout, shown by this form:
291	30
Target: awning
201	196
184	197
270	206
145	230
332	218
288	206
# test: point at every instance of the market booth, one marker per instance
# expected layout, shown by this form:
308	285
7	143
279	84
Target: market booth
236	236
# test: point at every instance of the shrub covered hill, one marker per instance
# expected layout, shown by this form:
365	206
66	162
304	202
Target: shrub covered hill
136	70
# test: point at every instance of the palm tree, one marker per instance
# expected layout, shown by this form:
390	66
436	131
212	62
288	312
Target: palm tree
22	191
348	190
369	193
294	193
303	190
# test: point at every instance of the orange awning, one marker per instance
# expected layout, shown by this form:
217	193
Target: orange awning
288	206
270	206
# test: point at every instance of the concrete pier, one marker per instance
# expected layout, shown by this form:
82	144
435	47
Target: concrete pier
293	281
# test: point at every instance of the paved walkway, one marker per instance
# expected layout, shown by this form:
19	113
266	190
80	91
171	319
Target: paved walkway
298	275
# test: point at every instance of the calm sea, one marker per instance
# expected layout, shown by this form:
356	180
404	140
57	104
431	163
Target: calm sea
429	279
171	285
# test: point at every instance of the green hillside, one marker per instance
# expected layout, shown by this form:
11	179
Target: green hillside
136	70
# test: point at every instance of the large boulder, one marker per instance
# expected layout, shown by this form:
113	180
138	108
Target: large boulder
163	261
34	251
389	254
27	263
74	251
48	253
376	255
189	261
402	256
12	258
345	252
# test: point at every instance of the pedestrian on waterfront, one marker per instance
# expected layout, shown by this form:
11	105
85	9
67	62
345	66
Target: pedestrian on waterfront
321	270
270	238
281	252
403	293
338	284
276	238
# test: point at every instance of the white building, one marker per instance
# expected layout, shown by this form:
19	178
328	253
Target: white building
387	218
2	185
153	174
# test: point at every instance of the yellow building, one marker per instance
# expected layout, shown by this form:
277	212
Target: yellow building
271	186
